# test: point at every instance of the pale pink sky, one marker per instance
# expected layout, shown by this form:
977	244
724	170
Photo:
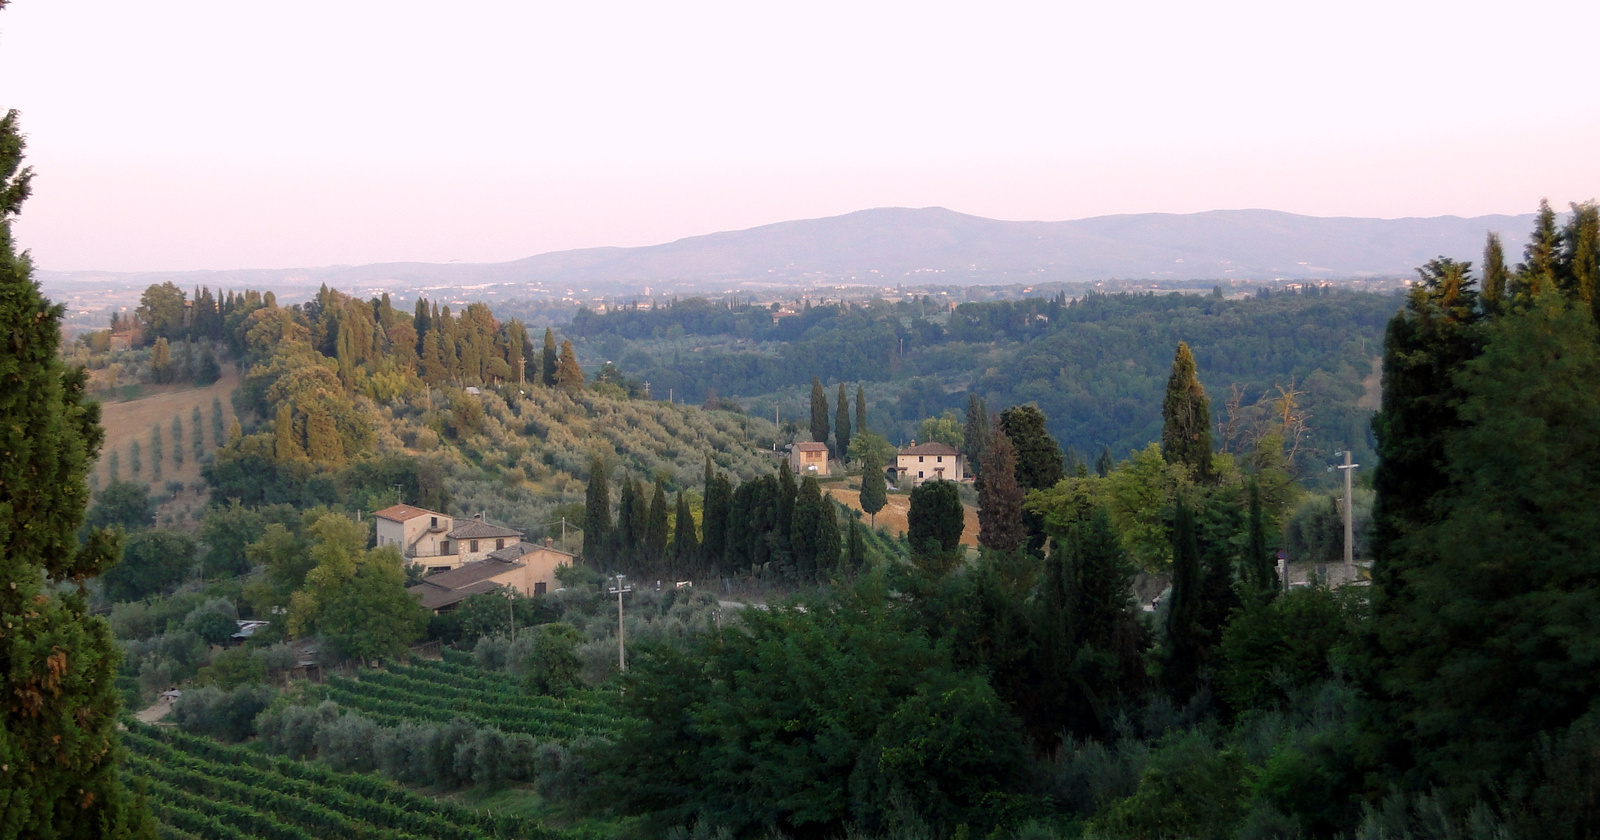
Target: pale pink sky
178	134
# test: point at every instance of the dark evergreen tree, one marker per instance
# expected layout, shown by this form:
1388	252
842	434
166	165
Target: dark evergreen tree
547	364
638	522
976	433
685	543
1038	454
861	410
935	521
422	322
806	529
58	663
855	555
1186	418
1580	254
597	513
568	375
783	496
829	541
1495	275
999	498
1260	570
841	426
1186	634
874	487
1540	258
715	519
1104	464
624	540
657	529
819	412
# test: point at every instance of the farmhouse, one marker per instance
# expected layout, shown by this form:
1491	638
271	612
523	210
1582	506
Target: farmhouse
524	567
921	462
439	542
809	458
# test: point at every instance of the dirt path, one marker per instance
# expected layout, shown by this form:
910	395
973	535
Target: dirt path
893	515
160	710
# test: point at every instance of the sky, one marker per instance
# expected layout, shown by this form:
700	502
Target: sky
179	134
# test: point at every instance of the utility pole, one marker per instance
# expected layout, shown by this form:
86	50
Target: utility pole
622	645
1349	515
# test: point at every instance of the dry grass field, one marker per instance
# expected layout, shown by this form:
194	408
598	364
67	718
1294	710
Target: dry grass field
893	515
126	422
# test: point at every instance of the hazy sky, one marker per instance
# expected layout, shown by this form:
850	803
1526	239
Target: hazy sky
176	135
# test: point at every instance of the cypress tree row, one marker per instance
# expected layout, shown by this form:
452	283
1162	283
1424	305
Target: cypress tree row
685	544
58	663
1186	418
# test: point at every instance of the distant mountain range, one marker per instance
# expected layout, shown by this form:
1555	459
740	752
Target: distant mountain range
926	246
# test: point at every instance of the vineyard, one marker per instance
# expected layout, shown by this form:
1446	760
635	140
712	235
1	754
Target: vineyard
456	689
199	788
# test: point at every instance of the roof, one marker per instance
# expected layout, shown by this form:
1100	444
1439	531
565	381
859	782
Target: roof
402	513
437	597
811	446
458	584
477	529
933	448
512	552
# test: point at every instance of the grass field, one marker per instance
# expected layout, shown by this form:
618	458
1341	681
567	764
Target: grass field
893	516
131	420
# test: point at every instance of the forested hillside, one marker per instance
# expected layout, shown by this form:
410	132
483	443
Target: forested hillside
1095	365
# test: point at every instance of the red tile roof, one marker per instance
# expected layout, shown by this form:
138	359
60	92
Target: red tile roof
933	448
811	446
401	513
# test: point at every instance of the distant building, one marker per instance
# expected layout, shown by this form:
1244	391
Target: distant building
809	458
921	462
524	567
436	541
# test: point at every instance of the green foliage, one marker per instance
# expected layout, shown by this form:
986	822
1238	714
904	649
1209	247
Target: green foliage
1273	650
1186	418
841	424
874	485
976	433
867	444
121	504
819	412
946	429
1189	789
553	665
355	598
228	716
1038	455
936	519
999	497
153	561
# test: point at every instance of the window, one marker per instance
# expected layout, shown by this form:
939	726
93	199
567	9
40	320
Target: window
919	473
433	522
474	547
939	458
444	546
919	459
499	544
538	588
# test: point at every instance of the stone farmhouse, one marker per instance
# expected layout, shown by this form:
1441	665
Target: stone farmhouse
467	557
921	462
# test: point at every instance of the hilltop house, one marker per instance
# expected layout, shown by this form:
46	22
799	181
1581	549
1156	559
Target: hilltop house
921	462
524	567
809	458
436	541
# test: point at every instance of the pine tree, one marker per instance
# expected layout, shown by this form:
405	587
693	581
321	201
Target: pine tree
999	498
685	544
286	440
1580	255
874	487
1185	633
568	375
1186	418
547	364
841	425
596	513
1495	276
861	410
657	528
976	433
1539	259
58	743
819	412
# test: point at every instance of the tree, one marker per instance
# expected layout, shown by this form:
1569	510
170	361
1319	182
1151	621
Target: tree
1259	567
287	446
1185	634
805	529
217	438
547	357
855	553
197	432
355	598
596	512
841	425
161	309
976	433
1104	464
122	504
861	409
553	667
945	429
323	444
58	681
714	518
1495	276
1038	454
157	455
656	528
177	440
161	361
135	461
819	412
1186	418
153	561
874	487
936	518
999	498
685	544
568	375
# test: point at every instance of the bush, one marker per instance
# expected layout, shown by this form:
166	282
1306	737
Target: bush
232	668
214	622
1189	789
292	730
224	715
347	742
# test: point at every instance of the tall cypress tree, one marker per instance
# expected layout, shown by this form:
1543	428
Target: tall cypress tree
874	487
596	512
714	519
861	410
638	520
829	541
805	529
547	363
568	375
1038	454
855	553
422	322
1580	254
976	433
1260	569
999	498
1495	276
841	425
819	412
685	543
1104	464
623	537
58	663
1186	418
783	496
656	528
1185	633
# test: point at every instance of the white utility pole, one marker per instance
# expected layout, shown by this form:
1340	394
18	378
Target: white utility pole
622	645
1349	515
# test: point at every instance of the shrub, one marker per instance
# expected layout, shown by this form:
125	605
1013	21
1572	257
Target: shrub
224	715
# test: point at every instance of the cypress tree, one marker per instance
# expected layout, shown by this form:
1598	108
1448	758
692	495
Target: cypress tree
114	468
1038	454
874	487
1540	258
1104	464
977	432
287	443
829	541
547	363
323	444
1185	635
935	521
657	528
177	440
855	555
841	425
638	520
216	422
157	453
596	513
1580	254
714	519
135	462
685	544
568	375
861	410
1186	418
999	498
198	432
1259	565
806	529
784	492
1495	276
58	663
819	412
623	540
